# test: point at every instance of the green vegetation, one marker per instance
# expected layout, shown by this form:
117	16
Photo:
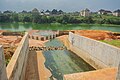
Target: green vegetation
7	61
20	26
57	16
112	42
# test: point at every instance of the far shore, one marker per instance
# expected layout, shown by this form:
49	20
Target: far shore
56	23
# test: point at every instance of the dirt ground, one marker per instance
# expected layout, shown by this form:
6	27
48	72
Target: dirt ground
10	44
97	34
36	43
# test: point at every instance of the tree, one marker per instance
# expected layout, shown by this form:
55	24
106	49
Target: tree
51	19
65	18
35	15
88	20
4	18
44	19
26	19
35	10
15	17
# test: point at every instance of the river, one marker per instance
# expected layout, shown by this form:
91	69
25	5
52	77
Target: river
31	26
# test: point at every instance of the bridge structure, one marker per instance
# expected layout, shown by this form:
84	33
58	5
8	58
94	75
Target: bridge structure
18	65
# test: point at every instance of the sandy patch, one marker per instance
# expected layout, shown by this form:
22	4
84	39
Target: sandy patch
44	73
37	43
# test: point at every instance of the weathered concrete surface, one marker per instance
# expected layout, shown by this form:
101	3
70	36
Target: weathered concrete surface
17	65
118	74
3	75
98	54
84	55
102	74
36	69
32	67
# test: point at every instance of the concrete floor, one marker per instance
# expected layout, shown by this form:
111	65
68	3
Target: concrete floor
32	69
35	69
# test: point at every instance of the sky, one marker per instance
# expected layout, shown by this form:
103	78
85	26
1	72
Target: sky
65	5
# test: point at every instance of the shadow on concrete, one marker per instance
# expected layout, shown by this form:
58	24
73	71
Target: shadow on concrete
32	67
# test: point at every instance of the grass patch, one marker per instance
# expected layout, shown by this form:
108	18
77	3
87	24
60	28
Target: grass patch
7	61
112	42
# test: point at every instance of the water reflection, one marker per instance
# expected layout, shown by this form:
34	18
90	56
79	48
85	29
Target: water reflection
30	26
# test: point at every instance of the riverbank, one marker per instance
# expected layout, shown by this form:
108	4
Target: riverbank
54	24
9	44
82	24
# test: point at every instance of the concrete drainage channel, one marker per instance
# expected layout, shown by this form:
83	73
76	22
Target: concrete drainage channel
63	61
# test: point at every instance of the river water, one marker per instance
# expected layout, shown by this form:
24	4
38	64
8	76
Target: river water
61	62
31	26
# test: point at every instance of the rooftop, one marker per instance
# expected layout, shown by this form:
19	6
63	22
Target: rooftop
117	10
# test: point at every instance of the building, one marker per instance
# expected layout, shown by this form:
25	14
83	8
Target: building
85	12
47	13
116	12
102	11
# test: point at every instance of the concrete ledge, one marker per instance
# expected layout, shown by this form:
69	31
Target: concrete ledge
102	74
17	64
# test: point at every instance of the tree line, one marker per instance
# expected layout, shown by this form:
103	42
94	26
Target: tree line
54	16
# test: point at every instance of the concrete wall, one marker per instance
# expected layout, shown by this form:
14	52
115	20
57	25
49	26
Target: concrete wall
3	75
17	65
43	38
101	74
118	75
98	54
